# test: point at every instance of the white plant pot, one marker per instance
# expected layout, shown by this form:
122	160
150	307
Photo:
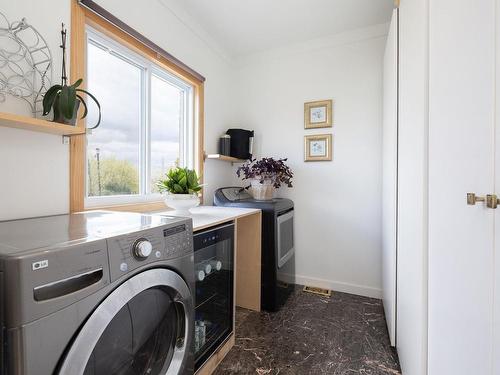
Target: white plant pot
262	191
181	203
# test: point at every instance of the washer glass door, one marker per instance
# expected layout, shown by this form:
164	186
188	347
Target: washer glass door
142	328
140	339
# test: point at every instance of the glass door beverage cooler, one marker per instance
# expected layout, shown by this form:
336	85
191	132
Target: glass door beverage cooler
214	274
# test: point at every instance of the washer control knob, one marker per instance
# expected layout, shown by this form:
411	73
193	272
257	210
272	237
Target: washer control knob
143	249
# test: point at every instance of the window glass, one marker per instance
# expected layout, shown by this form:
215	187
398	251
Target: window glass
146	126
167	107
113	149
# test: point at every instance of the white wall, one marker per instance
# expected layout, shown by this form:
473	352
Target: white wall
35	167
338	203
412	190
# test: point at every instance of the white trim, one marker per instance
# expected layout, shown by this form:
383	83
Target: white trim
144	125
146	133
112	200
116	49
338	286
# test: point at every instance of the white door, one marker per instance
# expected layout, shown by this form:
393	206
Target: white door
496	253
462	150
390	176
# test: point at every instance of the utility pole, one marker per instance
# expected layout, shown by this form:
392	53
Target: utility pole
97	155
90	188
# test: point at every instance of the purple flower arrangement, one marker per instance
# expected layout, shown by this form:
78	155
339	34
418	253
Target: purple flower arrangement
267	169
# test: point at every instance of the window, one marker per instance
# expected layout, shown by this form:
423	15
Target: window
146	128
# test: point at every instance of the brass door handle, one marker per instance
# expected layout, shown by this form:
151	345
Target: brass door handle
492	201
472	199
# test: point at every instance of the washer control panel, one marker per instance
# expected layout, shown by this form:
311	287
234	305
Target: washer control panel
132	250
177	239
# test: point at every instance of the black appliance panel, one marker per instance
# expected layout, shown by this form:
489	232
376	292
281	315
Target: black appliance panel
214	290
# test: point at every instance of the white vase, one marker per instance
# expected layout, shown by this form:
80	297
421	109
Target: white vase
262	191
181	203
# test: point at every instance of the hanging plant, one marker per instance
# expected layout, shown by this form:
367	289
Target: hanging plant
64	100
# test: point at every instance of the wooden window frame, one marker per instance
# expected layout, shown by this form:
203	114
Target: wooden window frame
80	18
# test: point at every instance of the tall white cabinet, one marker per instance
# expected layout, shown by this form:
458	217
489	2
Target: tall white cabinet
390	176
448	252
405	185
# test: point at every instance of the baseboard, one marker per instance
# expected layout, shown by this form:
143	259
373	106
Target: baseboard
339	286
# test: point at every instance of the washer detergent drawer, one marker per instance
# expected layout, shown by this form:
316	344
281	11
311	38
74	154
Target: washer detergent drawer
64	287
37	285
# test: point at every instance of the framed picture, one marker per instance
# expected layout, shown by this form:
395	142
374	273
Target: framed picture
318	114
318	147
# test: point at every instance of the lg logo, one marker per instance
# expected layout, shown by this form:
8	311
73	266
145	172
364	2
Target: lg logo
39	265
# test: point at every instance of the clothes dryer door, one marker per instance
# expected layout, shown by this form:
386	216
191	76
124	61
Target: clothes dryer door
284	238
143	327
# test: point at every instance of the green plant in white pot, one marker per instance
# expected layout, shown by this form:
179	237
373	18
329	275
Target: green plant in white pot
181	186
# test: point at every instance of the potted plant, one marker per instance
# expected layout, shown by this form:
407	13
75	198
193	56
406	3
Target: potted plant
265	175
65	99
181	186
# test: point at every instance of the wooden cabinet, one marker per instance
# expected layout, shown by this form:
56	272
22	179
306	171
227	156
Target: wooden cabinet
248	261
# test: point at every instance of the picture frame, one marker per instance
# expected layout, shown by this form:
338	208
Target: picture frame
318	114
318	147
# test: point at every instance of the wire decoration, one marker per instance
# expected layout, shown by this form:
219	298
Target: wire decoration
25	63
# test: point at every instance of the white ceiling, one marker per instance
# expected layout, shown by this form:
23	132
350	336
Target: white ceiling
242	27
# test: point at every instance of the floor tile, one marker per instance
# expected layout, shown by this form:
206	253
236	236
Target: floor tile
340	335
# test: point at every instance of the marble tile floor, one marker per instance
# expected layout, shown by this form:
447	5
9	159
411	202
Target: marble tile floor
343	334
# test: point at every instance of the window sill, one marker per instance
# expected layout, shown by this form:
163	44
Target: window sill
134	207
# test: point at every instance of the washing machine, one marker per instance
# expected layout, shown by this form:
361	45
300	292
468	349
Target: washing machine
96	293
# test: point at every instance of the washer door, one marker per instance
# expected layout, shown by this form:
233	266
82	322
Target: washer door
142	327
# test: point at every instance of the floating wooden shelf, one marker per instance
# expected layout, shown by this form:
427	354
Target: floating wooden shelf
224	158
34	124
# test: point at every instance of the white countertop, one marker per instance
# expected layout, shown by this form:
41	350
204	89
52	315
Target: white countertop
208	216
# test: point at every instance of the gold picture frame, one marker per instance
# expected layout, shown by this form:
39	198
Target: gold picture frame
318	114
318	147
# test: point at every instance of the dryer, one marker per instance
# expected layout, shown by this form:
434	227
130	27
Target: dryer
96	293
278	249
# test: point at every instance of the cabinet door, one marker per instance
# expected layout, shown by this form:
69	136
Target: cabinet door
461	159
496	255
390	176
